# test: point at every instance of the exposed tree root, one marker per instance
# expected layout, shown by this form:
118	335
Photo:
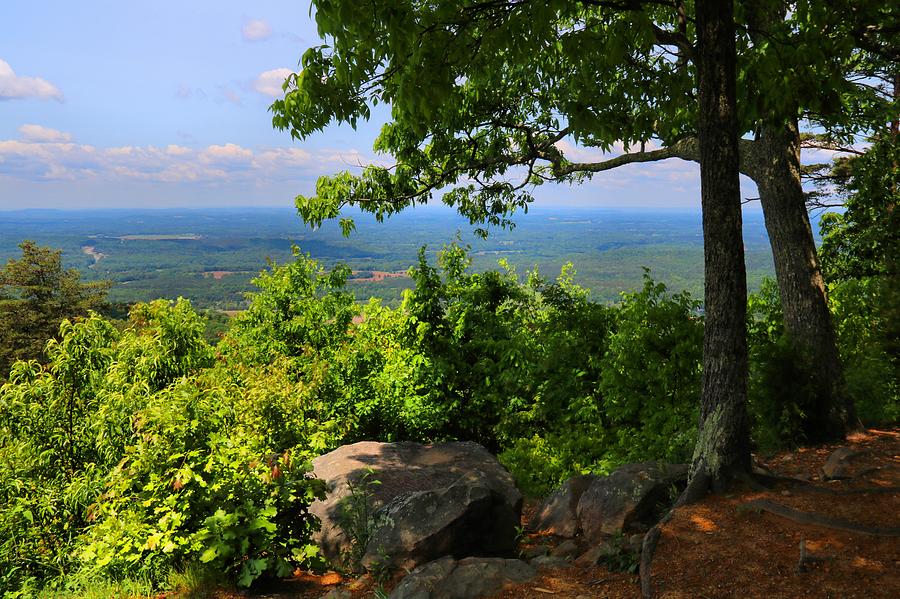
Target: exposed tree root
647	550
863	491
761	481
758	480
813	519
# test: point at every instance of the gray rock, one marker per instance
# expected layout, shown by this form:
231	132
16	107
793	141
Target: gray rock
592	556
337	594
468	578
534	551
837	466
634	543
558	514
628	499
568	548
550	561
408	473
459	521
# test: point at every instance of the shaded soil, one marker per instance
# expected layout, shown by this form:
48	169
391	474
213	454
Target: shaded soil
719	548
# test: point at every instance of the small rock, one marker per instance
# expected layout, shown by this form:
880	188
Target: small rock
634	543
550	561
337	594
534	551
629	499
568	548
592	556
558	514
837	466
471	577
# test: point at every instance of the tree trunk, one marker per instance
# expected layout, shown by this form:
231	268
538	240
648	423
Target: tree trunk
723	441
804	304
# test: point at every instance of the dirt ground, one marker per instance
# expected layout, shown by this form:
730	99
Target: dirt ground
721	547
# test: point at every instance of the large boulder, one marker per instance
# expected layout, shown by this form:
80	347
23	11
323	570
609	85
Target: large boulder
469	578
629	499
430	500
558	514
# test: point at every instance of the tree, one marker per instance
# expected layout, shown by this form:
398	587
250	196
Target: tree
723	435
36	295
488	93
479	89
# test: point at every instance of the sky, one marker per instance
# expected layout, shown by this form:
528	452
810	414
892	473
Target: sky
105	103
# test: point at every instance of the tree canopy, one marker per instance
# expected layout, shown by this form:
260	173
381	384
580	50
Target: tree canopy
36	295
482	93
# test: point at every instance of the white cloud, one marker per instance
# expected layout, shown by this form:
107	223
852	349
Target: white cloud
256	30
45	154
13	86
37	133
232	154
269	83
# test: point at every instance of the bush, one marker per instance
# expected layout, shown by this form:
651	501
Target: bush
195	487
650	378
129	454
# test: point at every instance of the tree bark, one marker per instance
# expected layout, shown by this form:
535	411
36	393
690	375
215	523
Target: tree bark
804	303
723	440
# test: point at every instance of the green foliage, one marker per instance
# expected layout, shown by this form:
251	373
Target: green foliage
48	460
300	309
651	374
780	383
36	295
620	558
872	371
519	366
357	518
196	487
613	385
139	453
861	262
129	455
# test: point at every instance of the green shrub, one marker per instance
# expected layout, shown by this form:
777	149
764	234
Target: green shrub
129	455
192	489
650	375
870	370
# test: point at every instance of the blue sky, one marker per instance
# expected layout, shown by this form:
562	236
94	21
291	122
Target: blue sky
158	104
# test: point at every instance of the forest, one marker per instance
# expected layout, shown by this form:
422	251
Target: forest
219	251
139	454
